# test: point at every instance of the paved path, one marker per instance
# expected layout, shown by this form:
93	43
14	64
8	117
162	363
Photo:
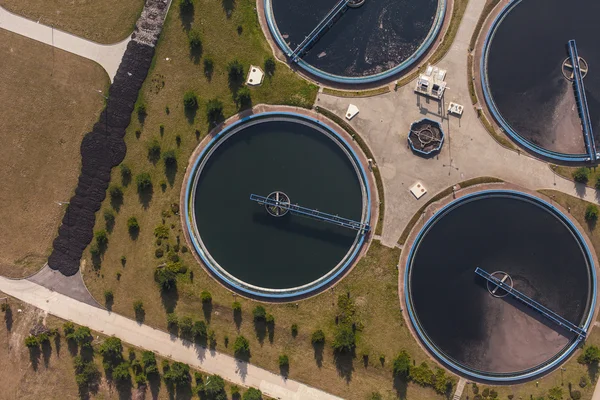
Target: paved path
468	152
160	342
460	387
108	56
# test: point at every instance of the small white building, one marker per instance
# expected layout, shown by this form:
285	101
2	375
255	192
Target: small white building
431	83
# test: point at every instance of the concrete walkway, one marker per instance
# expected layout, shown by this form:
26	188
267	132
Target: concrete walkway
468	152
160	342
108	56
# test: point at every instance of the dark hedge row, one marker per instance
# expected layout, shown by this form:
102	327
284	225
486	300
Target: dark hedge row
102	149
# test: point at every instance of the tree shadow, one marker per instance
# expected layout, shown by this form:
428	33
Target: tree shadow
228	7
124	388
593	371
8	319
110	225
284	370
207	308
109	304
365	359
134	233
145	196
125	179
171	173
271	331
116	202
237	318
260	327
186	15
140	316
57	345
318	349
34	357
190	114
344	364
169	299
154	383
400	386
72	347
46	353
196	53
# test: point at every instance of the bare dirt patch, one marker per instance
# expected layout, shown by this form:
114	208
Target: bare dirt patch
49	101
102	21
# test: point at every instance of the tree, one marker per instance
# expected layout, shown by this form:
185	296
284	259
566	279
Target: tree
214	111
259	313
149	363
244	98
178	374
317	337
172	320
166	278
86	372
169	158
199	330
125	173
68	328
235	71
132	225
108	296
116	193
209	67
344	340
443	383
186	6
111	348
422	375
121	372
101	238
270	66
31	342
214	388
591	213
236	306
140	108
138	306
109	219
82	336
143	181
190	101
591	355
555	393
252	394
186	325
206	297
402	364
195	41
284	361
154	150
581	174
241	347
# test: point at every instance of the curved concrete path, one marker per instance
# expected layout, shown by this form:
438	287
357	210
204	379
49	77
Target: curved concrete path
238	372
108	56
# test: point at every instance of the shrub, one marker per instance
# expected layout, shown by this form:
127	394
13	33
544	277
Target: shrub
270	319
317	337
5	307
158	253
205	296
68	328
148	359
111	348
199	330
236	306
86	372
576	395
108	296
195	40
178	374
270	66
583	381
169	158
140	379
31	341
259	313
244	98
190	101
402	364
140	109
235	71
132	225
82	336
165	278
591	213
294	330
125	172
214	111
344	340
121	372
422	375
252	394
94	250
186	325
109	218
143	181
284	361
598	183
555	393
443	383
581	174
241	346
214	388
154	149
161	232
101	238
116	193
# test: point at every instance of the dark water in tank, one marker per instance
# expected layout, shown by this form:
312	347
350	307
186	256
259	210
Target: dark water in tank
260	249
524	70
367	40
508	234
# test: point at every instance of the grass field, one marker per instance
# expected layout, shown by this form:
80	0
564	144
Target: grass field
567	172
102	21
51	375
52	103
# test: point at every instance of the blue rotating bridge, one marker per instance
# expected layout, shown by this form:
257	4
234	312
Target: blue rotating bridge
278	204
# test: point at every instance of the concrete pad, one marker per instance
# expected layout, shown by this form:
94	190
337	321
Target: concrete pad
255	76
351	112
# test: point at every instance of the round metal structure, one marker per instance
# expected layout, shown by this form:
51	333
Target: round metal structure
426	136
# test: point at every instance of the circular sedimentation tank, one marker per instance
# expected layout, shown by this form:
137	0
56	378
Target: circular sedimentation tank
524	78
263	251
488	334
372	42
